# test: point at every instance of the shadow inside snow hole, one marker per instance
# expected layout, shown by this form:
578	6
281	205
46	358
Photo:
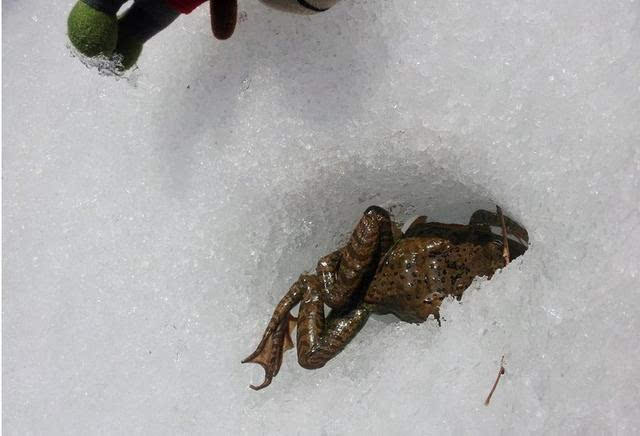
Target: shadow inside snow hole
321	213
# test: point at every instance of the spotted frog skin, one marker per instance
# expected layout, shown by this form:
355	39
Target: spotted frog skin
408	275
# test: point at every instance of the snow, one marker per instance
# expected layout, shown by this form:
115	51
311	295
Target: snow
152	224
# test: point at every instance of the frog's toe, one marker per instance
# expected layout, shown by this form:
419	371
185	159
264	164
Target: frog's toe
269	352
265	357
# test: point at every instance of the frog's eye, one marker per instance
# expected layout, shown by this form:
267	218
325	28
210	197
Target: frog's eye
300	6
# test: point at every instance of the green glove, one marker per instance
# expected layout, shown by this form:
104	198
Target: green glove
127	52
94	29
141	22
92	32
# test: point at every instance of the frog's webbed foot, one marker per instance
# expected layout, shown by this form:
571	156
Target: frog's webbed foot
276	338
272	347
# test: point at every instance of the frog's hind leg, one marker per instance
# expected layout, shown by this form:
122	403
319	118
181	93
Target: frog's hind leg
276	338
342	273
344	270
339	276
270	354
320	339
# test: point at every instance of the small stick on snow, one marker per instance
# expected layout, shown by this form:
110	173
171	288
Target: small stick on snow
505	241
500	372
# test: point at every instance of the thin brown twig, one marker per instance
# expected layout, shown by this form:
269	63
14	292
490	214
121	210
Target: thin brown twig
505	241
495	384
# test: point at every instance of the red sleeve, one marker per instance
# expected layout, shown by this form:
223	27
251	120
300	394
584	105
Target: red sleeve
185	6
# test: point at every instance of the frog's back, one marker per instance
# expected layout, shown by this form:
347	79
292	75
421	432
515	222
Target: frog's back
432	261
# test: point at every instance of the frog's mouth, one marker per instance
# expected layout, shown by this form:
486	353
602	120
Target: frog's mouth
496	230
517	246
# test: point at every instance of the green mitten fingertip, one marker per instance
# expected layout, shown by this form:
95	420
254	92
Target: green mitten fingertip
128	49
92	32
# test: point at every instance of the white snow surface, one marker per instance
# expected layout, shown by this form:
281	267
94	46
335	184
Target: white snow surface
152	224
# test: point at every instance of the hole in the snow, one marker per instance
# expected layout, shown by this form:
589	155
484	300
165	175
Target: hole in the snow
320	213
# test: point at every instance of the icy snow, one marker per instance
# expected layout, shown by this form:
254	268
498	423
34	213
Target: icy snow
151	224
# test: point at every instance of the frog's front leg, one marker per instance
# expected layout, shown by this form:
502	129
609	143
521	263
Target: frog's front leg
511	249
320	339
485	218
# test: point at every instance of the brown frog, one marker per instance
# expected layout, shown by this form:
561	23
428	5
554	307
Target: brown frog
378	272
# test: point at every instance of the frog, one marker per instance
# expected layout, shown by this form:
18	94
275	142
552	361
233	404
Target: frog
383	270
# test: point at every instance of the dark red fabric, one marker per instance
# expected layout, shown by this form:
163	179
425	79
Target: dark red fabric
185	6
